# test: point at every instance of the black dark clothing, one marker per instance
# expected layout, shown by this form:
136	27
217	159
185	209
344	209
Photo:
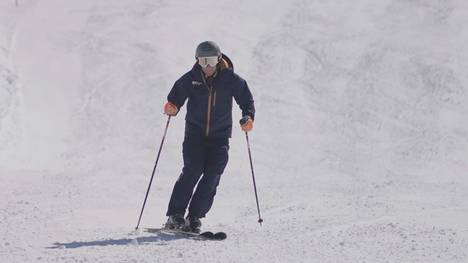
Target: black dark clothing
201	156
208	128
209	106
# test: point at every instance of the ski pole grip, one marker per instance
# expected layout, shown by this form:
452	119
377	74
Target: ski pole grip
244	119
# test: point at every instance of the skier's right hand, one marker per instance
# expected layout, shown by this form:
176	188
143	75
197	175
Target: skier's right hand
170	109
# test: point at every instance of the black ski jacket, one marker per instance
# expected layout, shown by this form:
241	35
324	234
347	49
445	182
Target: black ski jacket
209	106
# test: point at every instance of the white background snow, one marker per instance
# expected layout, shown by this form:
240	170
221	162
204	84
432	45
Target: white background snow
360	143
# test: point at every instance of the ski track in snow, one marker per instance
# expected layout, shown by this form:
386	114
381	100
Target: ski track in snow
359	145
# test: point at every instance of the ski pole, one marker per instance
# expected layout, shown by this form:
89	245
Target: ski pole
260	220
154	169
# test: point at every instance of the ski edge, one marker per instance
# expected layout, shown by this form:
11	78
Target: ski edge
206	235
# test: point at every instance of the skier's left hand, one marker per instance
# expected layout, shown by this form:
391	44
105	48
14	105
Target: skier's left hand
246	123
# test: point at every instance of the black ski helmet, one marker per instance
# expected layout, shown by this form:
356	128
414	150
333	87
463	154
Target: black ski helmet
207	49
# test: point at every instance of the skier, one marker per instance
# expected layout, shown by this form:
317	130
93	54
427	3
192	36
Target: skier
209	87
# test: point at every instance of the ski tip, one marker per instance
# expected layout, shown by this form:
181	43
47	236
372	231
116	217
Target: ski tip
207	234
212	236
220	236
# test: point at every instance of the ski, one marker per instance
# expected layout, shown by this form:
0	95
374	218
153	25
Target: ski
206	235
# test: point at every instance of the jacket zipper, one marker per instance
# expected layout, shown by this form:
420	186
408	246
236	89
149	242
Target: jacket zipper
209	108
208	117
210	101
214	99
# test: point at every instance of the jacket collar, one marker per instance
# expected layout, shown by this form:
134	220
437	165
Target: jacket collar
199	75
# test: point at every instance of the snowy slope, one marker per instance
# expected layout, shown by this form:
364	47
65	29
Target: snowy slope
359	144
9	91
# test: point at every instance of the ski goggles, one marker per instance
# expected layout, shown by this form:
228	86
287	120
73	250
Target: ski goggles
205	61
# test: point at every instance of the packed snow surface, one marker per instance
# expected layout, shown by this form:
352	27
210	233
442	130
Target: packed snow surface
360	142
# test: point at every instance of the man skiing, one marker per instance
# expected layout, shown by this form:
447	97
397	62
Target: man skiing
210	87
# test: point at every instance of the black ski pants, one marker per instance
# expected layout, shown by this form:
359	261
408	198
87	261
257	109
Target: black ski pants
205	156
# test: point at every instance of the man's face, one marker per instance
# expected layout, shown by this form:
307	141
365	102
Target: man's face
209	70
208	64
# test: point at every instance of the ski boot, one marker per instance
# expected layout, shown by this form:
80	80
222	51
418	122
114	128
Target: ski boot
192	224
175	222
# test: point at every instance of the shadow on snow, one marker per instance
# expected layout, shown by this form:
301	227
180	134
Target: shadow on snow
159	237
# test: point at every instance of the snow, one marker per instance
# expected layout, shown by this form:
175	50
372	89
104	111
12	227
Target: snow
359	145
